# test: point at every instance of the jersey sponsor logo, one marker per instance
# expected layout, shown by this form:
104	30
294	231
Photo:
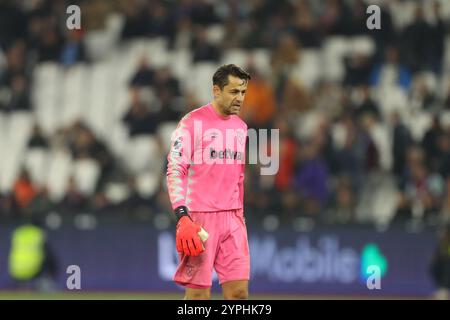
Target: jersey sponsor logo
177	143
176	150
225	154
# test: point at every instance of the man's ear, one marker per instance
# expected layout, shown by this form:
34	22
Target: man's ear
216	90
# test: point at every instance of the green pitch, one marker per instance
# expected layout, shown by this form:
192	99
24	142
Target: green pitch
119	296
165	296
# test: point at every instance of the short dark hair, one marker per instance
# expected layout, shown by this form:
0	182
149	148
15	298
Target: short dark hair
220	77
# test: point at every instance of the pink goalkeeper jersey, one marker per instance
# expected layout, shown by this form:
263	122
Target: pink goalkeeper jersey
206	164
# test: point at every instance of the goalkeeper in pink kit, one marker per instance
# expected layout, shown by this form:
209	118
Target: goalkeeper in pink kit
205	179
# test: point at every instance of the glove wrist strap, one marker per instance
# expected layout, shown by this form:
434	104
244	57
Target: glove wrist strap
181	211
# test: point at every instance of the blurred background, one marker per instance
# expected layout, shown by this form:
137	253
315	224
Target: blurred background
364	117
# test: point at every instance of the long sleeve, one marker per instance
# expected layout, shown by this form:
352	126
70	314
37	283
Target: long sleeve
179	159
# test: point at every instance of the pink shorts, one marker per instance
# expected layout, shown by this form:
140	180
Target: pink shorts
226	250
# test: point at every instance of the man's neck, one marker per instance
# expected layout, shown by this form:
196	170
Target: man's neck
218	109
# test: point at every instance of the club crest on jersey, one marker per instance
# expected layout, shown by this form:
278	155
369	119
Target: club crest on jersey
211	136
189	270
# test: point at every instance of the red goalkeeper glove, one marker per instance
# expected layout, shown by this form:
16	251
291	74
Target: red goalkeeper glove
187	238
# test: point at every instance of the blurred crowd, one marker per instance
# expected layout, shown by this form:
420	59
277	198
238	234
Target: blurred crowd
350	151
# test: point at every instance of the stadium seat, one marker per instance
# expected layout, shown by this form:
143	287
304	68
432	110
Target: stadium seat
156	51
402	13
98	44
114	24
47	119
333	51
97	113
181	65
202	86
338	135
46	95
120	102
142	153
381	137
86	173
46	73
431	81
4	120
148	183
36	163
236	56
19	130
308	68
129	56
60	170
74	100
116	192
165	131
261	58
118	140
362	45
379	199
444	117
10	169
392	99
418	123
215	34
308	124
